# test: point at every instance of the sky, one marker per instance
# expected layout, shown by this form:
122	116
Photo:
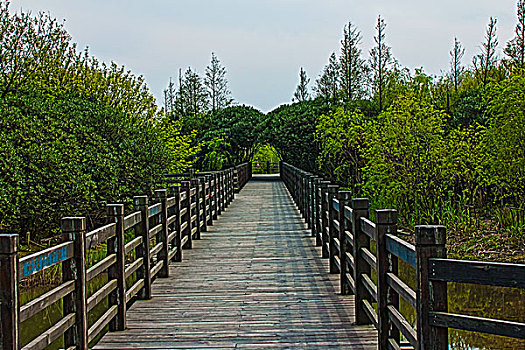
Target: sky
263	43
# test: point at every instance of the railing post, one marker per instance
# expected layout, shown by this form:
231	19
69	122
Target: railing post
175	190
209	199
140	203
9	293
115	245
186	187
331	235
322	235
311	199
430	296
315	211
386	221
195	183
344	198
204	197
75	270
162	197
361	240
215	192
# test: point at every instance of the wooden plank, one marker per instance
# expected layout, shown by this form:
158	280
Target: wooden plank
478	272
403	325
370	286
401	249
49	336
402	289
131	220
155	269
155	209
369	258
134	289
132	244
155	230
100	267
478	324
133	267
348	214
31	264
100	294
369	310
100	235
369	228
156	249
102	322
45	300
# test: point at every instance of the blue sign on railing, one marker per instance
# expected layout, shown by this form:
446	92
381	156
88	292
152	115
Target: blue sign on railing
41	262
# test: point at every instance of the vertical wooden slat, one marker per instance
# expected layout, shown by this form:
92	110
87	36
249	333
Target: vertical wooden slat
115	245
332	234
321	235
74	228
430	243
162	196
195	183
175	190
344	198
186	187
9	293
214	197
209	199
140	203
361	240
204	197
386	220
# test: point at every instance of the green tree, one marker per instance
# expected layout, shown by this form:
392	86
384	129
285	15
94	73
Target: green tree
515	48
301	92
487	59
456	68
219	96
192	96
380	60
352	65
327	85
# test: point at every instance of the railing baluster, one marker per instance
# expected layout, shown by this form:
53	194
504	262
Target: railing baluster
140	203
9	292
75	270
115	213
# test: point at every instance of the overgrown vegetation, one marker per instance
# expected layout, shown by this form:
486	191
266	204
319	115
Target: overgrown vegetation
76	133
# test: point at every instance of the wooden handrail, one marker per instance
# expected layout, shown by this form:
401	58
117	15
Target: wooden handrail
343	230
177	216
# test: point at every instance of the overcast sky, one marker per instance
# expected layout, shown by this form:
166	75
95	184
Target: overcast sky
263	43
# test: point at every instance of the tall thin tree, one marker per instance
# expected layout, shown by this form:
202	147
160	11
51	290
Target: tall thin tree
456	68
515	48
487	58
380	59
301	92
327	85
351	64
217	84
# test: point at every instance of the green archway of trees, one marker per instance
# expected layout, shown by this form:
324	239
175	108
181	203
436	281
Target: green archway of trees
243	134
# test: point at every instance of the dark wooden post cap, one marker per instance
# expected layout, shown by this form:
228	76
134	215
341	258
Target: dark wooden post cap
8	243
360	203
332	188
344	195
186	184
140	201
431	235
161	194
386	216
115	209
73	224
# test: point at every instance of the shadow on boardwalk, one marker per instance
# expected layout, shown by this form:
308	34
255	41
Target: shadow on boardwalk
254	281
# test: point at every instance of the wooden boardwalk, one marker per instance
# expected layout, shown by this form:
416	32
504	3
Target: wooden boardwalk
254	281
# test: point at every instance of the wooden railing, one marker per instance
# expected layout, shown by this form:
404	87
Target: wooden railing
158	233
266	167
345	233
